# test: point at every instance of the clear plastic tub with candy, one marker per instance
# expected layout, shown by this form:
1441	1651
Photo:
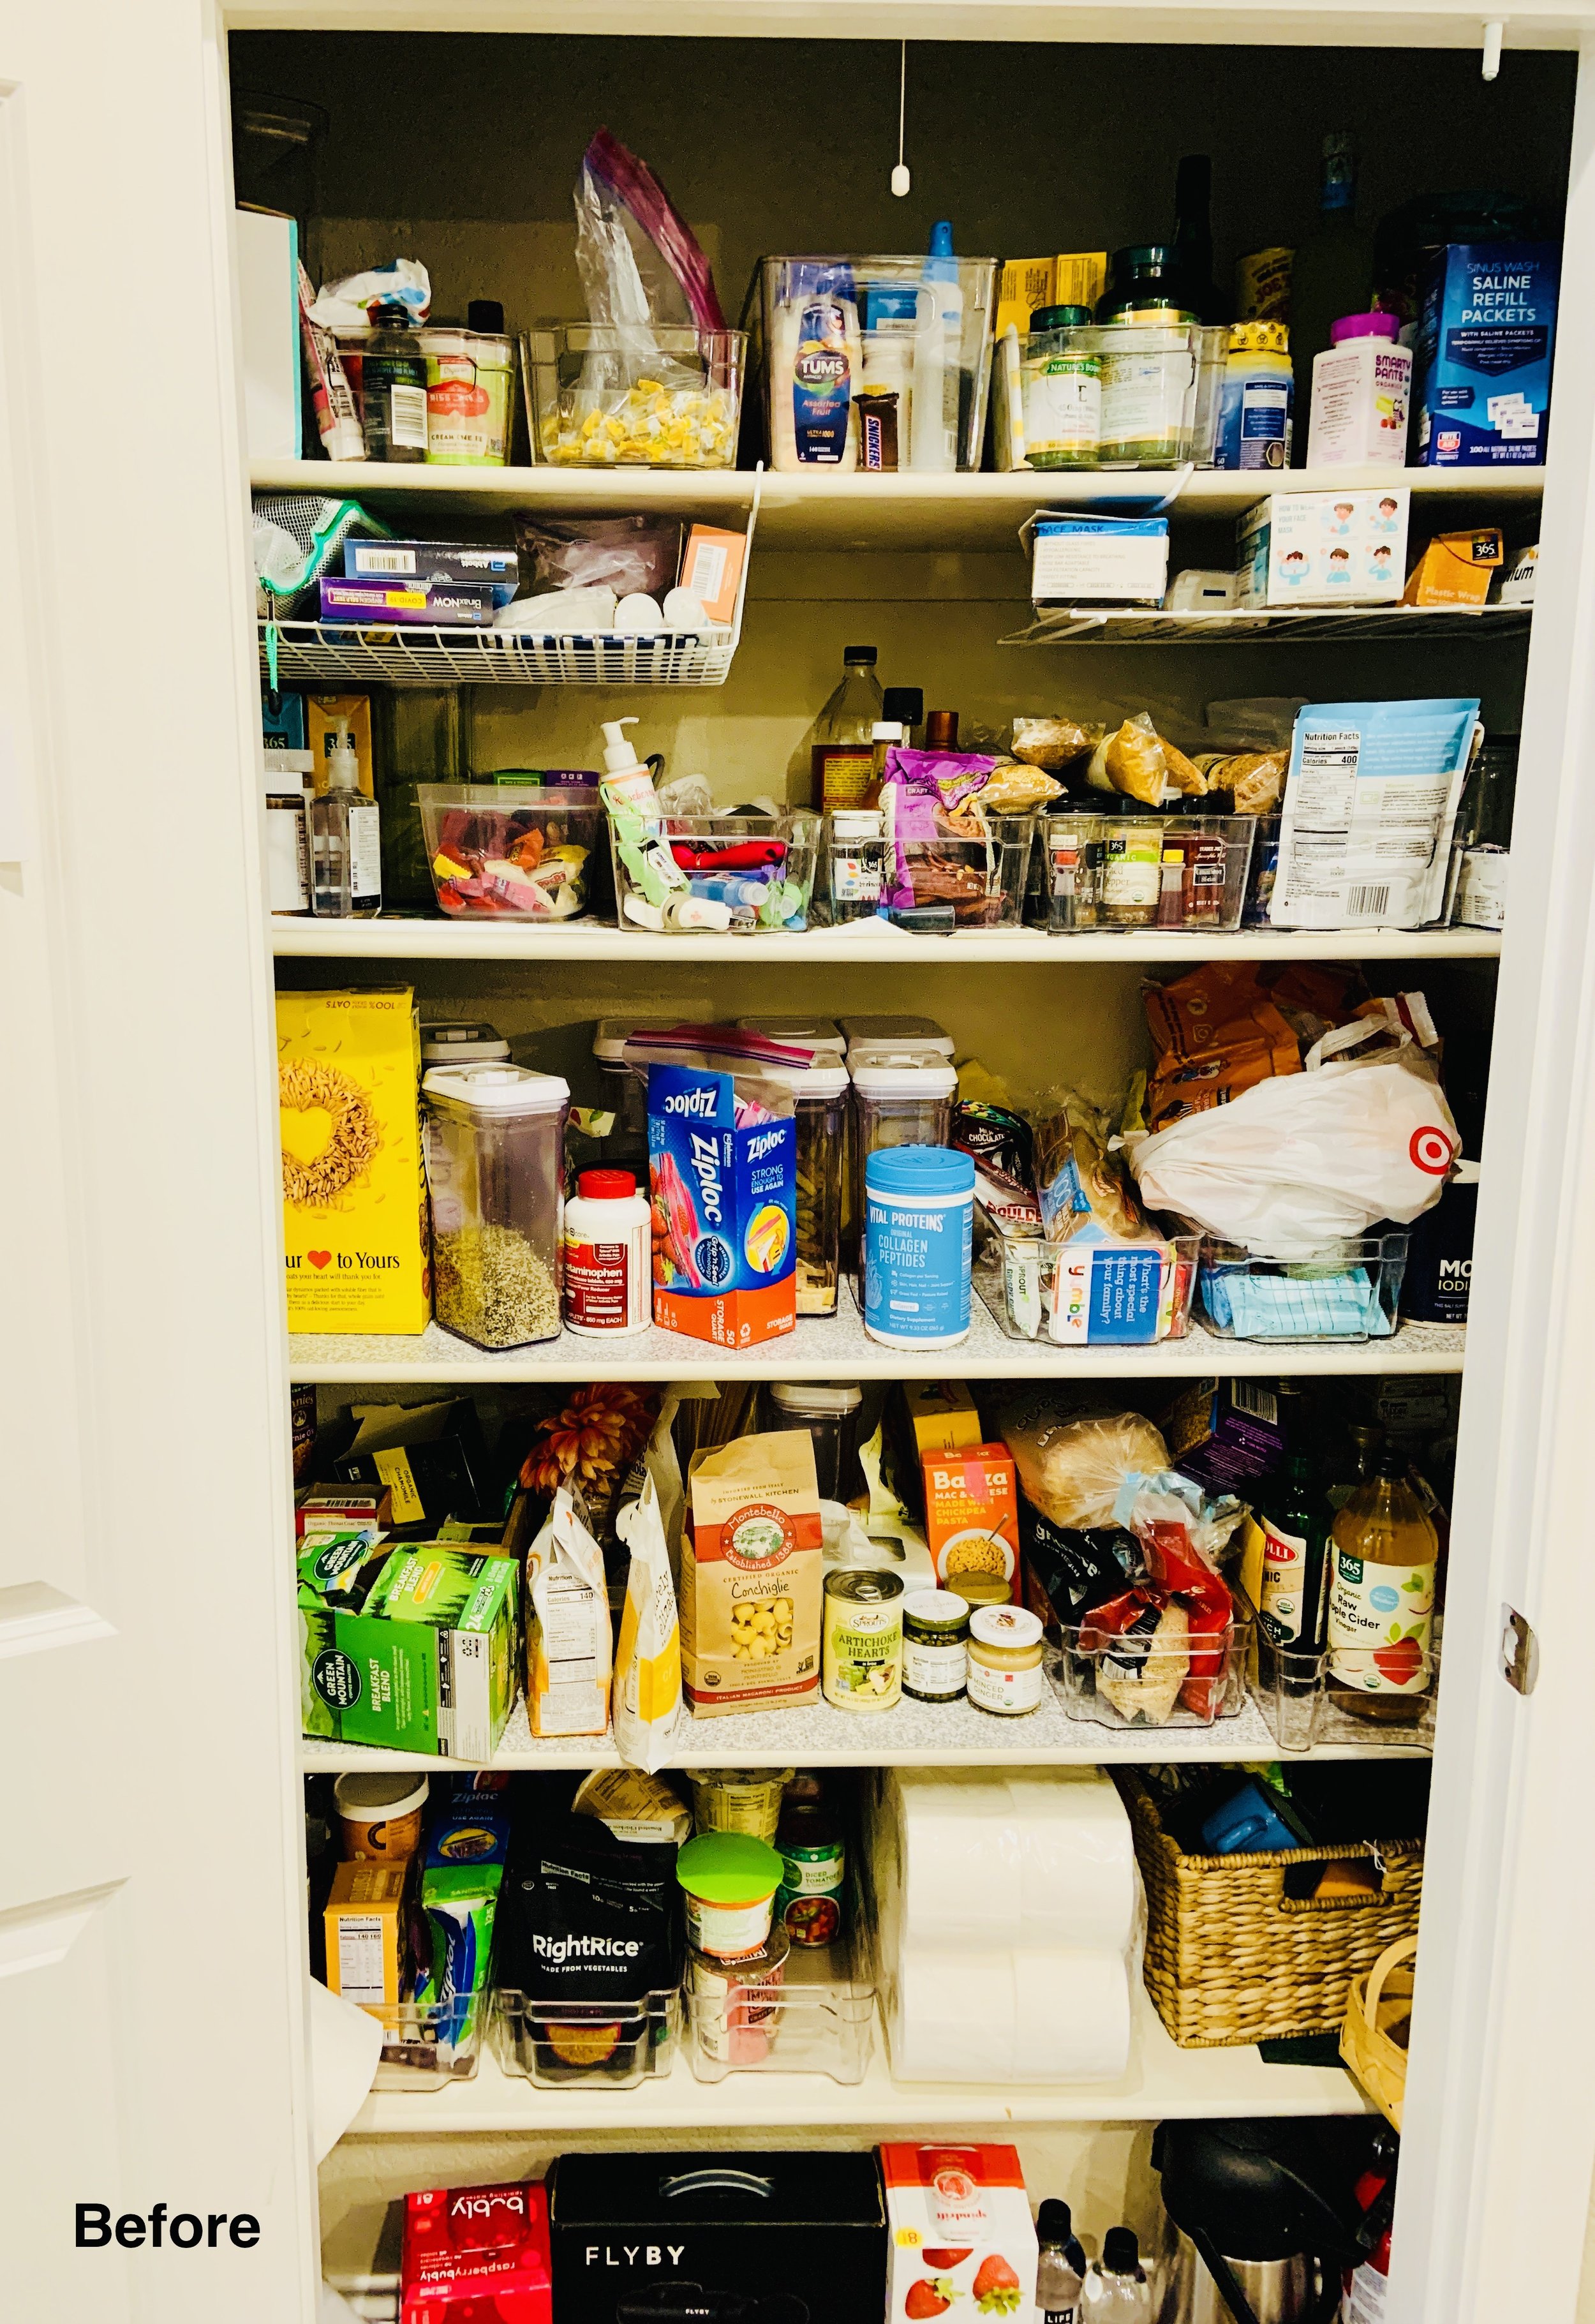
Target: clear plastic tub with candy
594	399
497	851
745	874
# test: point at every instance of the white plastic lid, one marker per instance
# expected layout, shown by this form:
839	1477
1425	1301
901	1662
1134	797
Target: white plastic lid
817	1396
462	1043
611	1034
375	1799
819	1033
886	730
898	1073
1005	1625
497	1089
896	1033
827	1079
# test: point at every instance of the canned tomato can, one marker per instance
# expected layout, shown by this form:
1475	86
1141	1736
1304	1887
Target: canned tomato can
862	1644
735	2005
935	1645
809	1904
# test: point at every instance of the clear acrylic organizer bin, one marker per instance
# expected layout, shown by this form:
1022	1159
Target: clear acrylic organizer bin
425	2048
1036	1290
502	851
1122	1681
1351	1293
760	870
819	2020
667	396
1305	1701
601	2045
1211	889
983	880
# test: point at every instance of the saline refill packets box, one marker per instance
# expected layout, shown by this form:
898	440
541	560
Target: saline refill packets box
1486	334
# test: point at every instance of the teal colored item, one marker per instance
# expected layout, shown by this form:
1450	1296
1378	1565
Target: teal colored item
919	1222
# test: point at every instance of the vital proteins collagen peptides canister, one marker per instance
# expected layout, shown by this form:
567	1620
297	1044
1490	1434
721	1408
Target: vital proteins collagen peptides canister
918	1214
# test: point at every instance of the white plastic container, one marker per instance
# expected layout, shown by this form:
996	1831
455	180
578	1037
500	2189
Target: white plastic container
1361	396
823	1035
467	1042
921	1035
607	1249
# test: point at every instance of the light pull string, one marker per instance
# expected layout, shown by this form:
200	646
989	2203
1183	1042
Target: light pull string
900	180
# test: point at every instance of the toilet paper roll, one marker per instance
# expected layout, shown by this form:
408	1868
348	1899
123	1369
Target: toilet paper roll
1045	2015
1034	1857
345	2050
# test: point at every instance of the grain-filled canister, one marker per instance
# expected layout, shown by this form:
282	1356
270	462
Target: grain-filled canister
918	1218
935	1645
862	1641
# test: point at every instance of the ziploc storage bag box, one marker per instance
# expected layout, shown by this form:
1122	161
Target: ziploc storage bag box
354	1196
1119	560
725	1211
1486	335
1324	549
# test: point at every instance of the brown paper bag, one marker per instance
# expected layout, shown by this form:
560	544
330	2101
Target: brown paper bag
751	1581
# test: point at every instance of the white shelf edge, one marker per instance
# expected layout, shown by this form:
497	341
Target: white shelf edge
580	943
1162	2080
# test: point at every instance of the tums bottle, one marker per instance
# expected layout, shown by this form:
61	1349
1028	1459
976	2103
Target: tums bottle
1381	1599
842	755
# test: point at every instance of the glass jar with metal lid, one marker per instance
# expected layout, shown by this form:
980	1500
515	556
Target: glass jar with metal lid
1005	1655
935	1645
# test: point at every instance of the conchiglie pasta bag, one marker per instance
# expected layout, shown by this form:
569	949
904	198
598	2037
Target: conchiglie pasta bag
751	1577
722	1178
1295	1166
648	1657
568	1644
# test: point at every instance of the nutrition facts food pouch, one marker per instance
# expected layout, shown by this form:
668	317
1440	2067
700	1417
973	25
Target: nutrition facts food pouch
751	1577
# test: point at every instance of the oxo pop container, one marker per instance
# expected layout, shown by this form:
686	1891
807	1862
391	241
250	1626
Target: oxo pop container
901	1097
494	1168
822	1168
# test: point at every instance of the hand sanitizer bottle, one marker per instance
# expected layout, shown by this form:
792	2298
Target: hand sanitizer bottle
1116	2291
1060	2271
345	839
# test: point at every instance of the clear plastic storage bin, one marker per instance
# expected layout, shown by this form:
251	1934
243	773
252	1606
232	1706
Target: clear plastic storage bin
1088	1294
856	863
1305	1701
603	2045
1149	389
982	881
425	2047
912	336
494	1138
754	873
1351	1293
1129	1681
1070	848
500	852
655	397
817	2019
1205	862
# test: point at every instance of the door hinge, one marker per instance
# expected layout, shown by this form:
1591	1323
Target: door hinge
1520	1651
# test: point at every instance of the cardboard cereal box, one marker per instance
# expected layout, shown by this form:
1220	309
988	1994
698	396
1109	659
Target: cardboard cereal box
971	1517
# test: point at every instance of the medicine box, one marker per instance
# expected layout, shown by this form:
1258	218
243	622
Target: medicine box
497	569
1097	559
1486	335
354	1194
442	604
1324	549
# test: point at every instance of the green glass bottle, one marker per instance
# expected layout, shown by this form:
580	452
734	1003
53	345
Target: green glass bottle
1294	1519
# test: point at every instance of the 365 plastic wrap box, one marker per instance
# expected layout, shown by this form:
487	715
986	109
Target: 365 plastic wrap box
354	1196
1324	549
1487	333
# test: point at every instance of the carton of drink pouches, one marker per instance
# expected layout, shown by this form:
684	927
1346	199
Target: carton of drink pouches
569	1647
648	1657
722	1180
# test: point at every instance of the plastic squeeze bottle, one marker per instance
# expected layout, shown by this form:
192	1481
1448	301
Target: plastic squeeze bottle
1116	2291
939	345
345	838
1060	2270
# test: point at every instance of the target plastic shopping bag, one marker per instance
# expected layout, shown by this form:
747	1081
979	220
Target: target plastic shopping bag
1312	1158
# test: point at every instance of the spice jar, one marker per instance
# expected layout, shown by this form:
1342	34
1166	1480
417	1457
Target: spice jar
1005	1660
828	1409
1132	871
738	1799
862	1641
494	1167
935	1645
978	1590
822	1157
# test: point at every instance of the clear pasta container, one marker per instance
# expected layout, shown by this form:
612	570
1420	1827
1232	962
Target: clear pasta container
494	1149
1070	849
612	2045
1158	1676
1096	1294
963	883
427	2045
748	874
1307	1699
808	2015
876	364
498	851
1351	1293
650	396
856	863
821	1113
899	1098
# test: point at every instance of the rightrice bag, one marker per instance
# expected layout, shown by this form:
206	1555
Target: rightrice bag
584	1916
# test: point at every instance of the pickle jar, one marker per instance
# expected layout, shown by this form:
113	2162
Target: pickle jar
822	1161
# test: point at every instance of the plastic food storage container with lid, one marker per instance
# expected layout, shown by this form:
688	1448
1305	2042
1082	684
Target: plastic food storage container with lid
946	884
470	394
624	1087
915	1037
751	874
1352	1292
463	1042
877	364
828	1410
822	1113
821	1035
502	851
901	1097
494	1140
654	396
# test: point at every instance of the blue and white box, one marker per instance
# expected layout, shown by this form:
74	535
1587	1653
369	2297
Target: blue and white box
1116	560
1485	336
1324	549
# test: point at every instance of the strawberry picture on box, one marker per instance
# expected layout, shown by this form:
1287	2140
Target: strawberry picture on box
959	2235
477	2256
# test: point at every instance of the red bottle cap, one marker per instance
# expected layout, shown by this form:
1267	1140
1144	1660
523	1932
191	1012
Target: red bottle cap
605	1185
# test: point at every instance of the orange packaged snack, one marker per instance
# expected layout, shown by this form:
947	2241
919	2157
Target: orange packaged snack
972	1522
1228	1026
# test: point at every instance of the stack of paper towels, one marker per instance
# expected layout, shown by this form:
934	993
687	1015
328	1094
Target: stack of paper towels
1008	1908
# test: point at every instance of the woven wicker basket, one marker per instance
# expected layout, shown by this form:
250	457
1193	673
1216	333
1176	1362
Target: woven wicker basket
1381	2006
1232	1957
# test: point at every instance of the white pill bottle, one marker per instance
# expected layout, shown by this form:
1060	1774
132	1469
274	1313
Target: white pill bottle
607	1246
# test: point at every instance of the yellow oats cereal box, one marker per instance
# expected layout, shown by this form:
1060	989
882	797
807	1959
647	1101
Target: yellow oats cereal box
354	1190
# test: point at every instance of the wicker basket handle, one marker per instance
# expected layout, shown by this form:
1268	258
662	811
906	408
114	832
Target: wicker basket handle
1391	1958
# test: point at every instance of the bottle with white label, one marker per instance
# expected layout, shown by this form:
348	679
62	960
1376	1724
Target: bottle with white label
284	778
1255	408
1381	1598
607	1245
345	838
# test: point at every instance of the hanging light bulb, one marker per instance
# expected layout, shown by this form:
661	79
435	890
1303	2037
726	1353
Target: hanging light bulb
900	180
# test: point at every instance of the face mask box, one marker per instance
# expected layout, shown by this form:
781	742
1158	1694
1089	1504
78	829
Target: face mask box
654	2239
1486	335
1324	549
1097	559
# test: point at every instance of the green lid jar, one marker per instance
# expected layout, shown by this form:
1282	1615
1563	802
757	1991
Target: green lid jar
728	1880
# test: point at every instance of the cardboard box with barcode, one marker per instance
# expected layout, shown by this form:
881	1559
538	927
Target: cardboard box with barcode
432	1459
1456	569
924	1417
712	567
423	1660
1076	278
354	1194
1324	549
364	1923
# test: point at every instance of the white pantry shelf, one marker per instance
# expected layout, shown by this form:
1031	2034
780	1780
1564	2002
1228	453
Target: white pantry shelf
1086	625
910	1735
364	942
824	511
837	1347
1162	2080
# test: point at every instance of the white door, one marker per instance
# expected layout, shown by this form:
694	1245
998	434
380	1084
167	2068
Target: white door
150	1942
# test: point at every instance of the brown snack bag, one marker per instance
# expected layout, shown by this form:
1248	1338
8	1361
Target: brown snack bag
1130	761
751	1577
1256	778
1216	1033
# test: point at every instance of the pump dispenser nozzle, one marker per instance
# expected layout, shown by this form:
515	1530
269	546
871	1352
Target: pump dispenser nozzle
618	754
343	761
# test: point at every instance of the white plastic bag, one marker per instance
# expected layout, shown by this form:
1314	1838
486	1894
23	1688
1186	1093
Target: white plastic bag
648	1659
1312	1158
568	1651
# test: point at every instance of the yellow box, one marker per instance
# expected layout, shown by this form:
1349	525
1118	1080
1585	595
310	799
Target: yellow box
1455	570
941	1414
1079	277
324	714
353	1191
1026	284
365	1924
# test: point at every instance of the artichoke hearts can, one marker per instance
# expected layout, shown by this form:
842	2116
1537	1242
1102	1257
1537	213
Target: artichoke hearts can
861	1647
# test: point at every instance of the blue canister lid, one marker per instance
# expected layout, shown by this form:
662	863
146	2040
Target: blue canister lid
925	1172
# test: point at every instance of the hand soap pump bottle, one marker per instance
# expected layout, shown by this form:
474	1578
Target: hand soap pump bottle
626	777
345	838
1060	2271
1116	2291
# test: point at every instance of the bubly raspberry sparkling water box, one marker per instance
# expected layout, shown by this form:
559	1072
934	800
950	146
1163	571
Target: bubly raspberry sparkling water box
477	2256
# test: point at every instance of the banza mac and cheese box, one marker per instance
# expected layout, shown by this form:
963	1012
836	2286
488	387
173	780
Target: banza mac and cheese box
959	2234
